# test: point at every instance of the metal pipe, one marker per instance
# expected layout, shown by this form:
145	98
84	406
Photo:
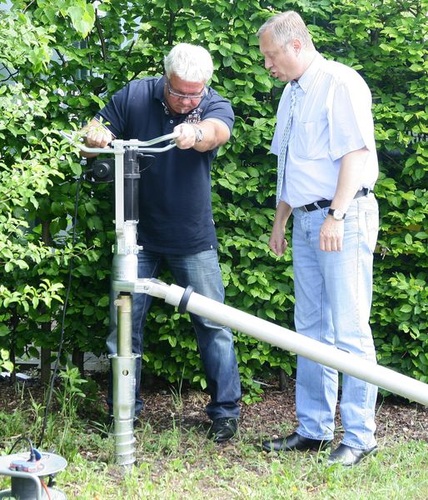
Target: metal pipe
143	146
342	361
123	368
119	167
124	327
124	276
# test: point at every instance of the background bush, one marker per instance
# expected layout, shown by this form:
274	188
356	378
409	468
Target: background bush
63	59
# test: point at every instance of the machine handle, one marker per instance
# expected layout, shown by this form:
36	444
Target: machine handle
144	146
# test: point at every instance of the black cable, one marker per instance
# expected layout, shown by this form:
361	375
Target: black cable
64	310
22	438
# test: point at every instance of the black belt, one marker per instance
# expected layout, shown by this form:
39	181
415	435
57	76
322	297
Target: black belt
317	205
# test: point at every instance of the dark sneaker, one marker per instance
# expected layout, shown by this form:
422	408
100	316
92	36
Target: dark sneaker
223	429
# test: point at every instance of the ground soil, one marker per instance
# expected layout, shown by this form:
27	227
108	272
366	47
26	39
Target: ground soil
396	419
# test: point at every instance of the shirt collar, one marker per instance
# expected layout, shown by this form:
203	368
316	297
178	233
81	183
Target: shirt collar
308	76
160	88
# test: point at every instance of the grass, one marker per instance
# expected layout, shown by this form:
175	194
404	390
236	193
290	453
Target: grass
180	463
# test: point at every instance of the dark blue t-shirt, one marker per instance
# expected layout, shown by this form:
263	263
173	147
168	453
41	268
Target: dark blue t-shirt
175	192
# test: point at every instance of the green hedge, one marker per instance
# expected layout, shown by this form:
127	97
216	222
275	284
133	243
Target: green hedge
93	57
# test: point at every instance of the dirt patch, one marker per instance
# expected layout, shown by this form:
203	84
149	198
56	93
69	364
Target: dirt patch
396	419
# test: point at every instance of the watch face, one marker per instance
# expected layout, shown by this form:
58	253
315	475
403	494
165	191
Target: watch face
199	135
336	214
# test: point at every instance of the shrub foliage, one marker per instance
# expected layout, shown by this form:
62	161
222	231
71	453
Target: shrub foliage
62	59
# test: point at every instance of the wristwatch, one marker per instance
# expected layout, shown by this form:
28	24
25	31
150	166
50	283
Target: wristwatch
199	135
336	214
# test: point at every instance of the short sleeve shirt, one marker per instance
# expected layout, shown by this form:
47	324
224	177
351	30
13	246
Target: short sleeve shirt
175	213
332	117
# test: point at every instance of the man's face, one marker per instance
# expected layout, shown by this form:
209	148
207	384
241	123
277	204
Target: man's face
183	96
282	62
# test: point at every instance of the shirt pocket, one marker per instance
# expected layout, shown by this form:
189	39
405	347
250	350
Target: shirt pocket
311	140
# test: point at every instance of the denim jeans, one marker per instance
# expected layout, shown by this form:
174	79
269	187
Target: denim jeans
215	342
333	292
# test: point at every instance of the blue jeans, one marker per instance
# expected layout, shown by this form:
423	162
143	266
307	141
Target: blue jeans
333	292
215	342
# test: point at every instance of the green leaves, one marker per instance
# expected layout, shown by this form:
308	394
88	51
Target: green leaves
62	69
5	363
28	297
82	16
22	41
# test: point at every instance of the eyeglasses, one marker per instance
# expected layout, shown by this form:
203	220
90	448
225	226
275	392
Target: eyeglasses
191	97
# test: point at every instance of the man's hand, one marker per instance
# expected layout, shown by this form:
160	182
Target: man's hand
277	243
98	136
213	134
187	136
95	136
331	235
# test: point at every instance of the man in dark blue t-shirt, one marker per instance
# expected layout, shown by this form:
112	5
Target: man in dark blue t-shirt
176	226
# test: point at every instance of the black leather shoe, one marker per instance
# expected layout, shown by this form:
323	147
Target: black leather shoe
347	456
295	442
222	429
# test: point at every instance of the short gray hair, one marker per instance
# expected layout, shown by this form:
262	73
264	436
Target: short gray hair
285	27
191	63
